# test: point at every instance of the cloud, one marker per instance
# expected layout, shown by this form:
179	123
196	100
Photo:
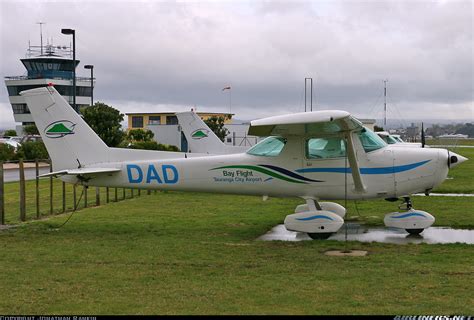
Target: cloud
153	53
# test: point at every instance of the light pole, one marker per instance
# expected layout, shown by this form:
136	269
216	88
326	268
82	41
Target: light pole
73	32
91	67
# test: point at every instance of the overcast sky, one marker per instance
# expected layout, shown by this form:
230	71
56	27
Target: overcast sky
155	56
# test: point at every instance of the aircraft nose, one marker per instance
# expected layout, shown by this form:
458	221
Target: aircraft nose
455	159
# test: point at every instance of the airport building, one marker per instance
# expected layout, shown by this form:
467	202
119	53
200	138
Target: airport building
45	65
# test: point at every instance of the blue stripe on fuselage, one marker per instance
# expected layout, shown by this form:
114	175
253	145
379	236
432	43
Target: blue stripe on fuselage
380	170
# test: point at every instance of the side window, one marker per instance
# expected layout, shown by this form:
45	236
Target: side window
270	147
324	148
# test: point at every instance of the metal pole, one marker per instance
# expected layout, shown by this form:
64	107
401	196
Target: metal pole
97	196
311	94
22	192
74	70
64	196
305	94
37	189
51	188
385	103
2	197
85	196
92	86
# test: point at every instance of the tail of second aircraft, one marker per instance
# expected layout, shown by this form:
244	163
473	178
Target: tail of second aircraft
200	138
71	143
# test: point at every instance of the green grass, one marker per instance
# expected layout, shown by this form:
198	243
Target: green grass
461	177
449	142
188	253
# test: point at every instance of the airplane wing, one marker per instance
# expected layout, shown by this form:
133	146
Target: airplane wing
80	172
319	122
322	123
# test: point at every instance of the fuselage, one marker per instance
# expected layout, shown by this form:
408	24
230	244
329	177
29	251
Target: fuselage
386	172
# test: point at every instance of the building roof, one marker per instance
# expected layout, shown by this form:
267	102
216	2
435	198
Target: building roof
174	112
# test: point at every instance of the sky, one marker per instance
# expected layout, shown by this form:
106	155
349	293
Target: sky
152	56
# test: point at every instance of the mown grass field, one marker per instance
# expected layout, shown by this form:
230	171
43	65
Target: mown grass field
188	253
461	142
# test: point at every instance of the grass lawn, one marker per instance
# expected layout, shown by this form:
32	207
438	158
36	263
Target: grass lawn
189	253
449	142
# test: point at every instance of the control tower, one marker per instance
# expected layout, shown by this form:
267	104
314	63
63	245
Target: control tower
44	65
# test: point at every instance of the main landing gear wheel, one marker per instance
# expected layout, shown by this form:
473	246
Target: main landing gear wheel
320	236
414	231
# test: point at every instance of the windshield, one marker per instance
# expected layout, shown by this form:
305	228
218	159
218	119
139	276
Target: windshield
370	141
269	147
388	139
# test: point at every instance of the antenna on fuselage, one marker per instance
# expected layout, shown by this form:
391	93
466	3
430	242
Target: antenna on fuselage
385	103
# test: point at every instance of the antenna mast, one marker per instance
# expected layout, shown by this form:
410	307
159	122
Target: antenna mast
41	34
385	103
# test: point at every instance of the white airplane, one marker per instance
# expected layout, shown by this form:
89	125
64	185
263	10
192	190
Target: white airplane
312	155
201	139
397	141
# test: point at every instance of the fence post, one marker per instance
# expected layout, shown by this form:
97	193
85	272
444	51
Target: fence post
116	195
74	197
97	196
37	189
107	195
123	194
139	192
131	192
64	196
22	191
148	192
51	188
85	196
2	199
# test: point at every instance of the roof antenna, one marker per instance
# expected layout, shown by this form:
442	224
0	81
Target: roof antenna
41	34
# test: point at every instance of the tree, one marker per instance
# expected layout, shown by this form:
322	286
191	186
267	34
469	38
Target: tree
32	150
30	129
7	152
10	133
105	121
216	124
377	128
139	135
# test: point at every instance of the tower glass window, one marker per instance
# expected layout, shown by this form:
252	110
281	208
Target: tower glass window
137	122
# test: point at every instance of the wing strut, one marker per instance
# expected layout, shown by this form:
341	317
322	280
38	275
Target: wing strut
359	184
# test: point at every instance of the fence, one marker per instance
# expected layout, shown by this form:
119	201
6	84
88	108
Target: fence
24	199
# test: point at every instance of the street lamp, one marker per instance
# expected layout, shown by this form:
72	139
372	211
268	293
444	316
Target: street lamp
73	32
91	67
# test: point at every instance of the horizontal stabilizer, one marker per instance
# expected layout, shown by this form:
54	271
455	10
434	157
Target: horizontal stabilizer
80	172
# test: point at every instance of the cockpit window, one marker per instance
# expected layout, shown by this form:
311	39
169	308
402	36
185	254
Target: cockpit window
388	139
269	147
370	141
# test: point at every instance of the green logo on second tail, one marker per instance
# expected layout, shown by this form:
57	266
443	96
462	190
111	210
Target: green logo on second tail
200	133
59	129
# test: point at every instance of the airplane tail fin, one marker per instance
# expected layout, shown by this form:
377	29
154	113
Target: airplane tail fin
200	138
70	142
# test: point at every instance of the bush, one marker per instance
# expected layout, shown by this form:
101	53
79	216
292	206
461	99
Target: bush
10	133
152	145
7	152
32	150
